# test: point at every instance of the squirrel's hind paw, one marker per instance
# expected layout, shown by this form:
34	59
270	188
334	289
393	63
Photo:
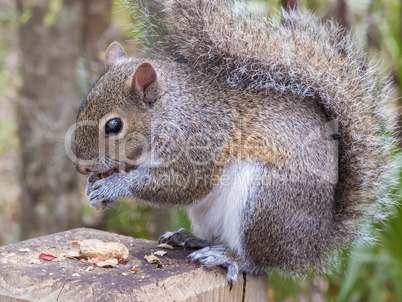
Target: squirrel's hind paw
217	256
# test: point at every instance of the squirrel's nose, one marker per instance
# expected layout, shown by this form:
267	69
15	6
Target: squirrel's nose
83	170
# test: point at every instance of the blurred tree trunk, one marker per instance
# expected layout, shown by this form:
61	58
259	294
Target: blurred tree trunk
342	14
96	20
339	12
289	4
48	37
51	34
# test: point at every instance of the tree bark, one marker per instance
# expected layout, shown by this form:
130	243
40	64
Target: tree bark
96	20
50	201
339	13
289	4
53	40
342	14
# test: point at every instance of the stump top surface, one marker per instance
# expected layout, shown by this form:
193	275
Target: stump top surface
24	277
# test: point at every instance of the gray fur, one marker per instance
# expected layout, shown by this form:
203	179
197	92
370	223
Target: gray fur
294	52
317	115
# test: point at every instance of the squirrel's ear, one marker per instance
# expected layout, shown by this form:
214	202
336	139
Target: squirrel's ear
113	54
145	83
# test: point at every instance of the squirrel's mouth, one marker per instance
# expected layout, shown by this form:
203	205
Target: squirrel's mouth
124	171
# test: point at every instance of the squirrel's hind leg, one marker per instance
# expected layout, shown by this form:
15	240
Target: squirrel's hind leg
217	255
184	237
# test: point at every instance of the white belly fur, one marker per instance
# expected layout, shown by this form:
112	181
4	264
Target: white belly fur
218	216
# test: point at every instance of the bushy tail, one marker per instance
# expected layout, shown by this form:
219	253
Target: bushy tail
295	52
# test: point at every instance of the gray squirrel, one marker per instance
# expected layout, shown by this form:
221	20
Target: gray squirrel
275	134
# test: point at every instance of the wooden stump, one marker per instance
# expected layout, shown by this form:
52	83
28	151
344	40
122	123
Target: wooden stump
23	277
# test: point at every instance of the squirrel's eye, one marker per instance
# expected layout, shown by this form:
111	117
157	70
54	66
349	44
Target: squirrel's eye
113	126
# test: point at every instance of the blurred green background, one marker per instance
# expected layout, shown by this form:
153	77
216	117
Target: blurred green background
50	53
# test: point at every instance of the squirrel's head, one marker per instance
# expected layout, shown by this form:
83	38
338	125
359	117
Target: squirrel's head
113	123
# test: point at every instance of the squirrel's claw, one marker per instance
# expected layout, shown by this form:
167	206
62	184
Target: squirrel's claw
232	273
216	256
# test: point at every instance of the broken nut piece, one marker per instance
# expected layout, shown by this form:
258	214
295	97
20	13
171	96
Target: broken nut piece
94	248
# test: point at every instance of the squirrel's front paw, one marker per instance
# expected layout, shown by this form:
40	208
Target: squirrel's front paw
103	193
92	178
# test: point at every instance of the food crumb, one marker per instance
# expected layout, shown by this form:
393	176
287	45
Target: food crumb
152	259
165	246
160	253
134	270
46	257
